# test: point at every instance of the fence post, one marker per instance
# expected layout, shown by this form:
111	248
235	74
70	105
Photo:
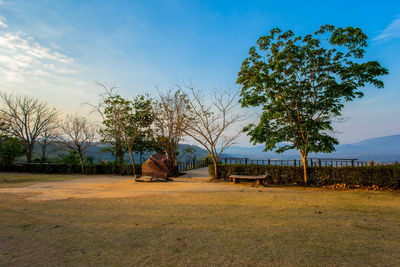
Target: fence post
294	163
245	161
352	162
319	162
269	162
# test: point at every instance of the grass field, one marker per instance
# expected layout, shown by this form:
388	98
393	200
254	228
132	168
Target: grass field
262	226
23	179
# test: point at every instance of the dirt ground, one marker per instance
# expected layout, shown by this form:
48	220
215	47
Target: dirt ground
102	186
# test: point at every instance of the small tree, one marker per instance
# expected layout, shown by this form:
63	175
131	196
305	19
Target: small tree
49	136
302	86
10	147
134	120
78	135
26	118
171	118
211	121
111	133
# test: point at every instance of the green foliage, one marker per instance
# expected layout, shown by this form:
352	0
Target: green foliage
382	176
62	168
71	158
301	83
10	148
130	122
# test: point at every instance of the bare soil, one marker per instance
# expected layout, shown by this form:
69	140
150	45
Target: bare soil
103	186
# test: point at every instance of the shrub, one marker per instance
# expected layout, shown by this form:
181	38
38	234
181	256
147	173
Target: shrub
61	168
381	176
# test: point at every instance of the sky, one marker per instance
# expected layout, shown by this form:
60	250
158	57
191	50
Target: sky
56	50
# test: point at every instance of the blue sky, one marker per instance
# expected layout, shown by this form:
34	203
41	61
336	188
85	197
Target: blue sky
57	49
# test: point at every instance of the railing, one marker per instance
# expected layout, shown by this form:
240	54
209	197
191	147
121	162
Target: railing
333	162
192	164
311	162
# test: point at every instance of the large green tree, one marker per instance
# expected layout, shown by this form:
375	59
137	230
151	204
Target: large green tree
134	121
302	83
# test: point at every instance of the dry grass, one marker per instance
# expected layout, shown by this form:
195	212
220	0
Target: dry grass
266	226
8	180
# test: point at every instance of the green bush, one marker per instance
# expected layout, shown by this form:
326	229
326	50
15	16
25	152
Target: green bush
382	176
61	168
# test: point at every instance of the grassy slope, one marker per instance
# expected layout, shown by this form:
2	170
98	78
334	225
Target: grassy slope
279	226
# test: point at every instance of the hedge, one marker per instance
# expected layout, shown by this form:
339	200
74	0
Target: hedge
54	168
382	176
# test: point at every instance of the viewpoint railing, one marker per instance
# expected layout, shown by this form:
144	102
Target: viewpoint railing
311	162
332	162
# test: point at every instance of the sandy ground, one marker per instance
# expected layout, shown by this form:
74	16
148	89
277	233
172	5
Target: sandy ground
101	186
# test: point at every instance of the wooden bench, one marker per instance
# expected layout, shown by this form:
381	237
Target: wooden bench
259	178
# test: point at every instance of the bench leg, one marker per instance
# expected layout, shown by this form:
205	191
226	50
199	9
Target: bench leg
234	180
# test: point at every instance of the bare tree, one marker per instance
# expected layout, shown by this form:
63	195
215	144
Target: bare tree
26	118
172	117
49	136
78	134
212	121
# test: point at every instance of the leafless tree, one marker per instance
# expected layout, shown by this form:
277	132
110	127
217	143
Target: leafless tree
172	117
49	136
77	134
212	121
27	118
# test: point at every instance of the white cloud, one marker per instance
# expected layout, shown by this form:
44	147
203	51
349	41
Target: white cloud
3	21
23	57
391	31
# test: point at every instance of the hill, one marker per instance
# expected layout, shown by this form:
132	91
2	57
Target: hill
385	148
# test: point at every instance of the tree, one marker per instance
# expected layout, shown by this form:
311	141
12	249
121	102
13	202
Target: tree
78	134
109	135
49	136
26	118
301	83
10	147
171	118
211	120
134	121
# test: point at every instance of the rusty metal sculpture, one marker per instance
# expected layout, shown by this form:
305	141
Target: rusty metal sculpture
158	166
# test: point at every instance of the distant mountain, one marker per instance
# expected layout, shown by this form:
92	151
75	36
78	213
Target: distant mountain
378	149
385	148
101	152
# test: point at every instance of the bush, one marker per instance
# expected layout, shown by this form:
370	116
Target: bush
61	168
382	176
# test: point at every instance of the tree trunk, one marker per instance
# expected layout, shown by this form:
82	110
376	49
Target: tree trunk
9	161
44	149
29	151
133	162
215	168
81	158
304	160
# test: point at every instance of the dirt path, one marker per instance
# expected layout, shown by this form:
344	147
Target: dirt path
101	186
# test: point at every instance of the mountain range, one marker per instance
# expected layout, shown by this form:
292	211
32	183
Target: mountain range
385	148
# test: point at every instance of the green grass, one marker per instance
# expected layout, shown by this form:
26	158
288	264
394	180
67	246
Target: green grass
288	226
24	179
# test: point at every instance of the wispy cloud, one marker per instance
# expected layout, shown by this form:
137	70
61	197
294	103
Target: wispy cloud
22	58
3	21
391	31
